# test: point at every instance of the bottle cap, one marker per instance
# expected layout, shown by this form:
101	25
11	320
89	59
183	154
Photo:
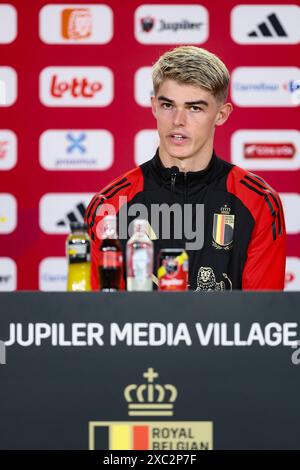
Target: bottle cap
78	227
140	225
110	226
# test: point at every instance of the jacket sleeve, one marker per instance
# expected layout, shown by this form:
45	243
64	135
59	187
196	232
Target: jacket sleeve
92	220
264	268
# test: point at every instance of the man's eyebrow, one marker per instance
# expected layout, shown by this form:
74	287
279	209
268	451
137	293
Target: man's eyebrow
164	98
189	103
197	102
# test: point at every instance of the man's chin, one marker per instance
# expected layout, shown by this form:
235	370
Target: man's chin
179	155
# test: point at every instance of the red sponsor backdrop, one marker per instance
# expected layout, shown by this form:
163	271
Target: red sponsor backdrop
28	118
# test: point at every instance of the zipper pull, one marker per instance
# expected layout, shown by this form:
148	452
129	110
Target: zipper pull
173	180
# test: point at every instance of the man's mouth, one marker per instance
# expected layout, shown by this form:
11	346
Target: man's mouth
176	137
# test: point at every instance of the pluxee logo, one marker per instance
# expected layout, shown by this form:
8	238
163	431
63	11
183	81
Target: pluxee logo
148	400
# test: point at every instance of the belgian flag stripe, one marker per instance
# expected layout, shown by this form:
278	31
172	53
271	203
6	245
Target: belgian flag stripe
140	437
222	229
120	437
215	226
101	434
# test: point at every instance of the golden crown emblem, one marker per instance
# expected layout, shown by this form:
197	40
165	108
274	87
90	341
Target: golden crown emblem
225	210
149	399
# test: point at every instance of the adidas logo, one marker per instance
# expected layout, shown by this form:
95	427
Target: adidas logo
74	216
269	28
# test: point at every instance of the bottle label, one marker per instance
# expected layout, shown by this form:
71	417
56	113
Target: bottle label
78	252
173	273
140	265
110	259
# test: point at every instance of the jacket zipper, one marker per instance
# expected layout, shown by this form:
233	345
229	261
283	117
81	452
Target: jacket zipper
173	180
185	188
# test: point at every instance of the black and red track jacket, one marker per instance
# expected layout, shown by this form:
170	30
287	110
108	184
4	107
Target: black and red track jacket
244	228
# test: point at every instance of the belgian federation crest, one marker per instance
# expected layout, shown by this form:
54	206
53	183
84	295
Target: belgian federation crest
223	229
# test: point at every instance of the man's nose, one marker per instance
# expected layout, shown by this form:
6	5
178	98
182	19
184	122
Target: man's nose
179	117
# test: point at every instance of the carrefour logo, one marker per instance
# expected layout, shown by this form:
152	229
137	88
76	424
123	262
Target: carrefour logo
266	86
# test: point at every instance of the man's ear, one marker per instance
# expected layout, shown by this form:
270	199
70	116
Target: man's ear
153	105
223	114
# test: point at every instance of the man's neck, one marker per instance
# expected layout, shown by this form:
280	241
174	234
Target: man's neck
193	163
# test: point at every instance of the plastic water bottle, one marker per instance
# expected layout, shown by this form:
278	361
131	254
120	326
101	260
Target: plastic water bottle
139	258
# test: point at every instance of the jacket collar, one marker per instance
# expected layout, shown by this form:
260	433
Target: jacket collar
192	178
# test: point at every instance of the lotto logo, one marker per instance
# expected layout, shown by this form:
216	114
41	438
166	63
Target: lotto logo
76	86
76	24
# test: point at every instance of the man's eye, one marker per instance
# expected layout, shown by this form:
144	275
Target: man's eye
195	109
166	105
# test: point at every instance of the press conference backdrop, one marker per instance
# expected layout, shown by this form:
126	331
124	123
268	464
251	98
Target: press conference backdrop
75	113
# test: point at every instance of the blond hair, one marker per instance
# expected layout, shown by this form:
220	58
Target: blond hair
192	65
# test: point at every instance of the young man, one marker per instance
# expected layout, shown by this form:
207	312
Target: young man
232	221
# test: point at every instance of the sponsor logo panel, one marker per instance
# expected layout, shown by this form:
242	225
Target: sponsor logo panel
265	24
292	274
266	149
76	24
8	24
57	210
291	208
266	86
8	86
8	213
53	274
76	86
8	149
76	150
143	86
8	274
145	145
171	24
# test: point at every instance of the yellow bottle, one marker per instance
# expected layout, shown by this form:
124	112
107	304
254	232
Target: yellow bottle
79	258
